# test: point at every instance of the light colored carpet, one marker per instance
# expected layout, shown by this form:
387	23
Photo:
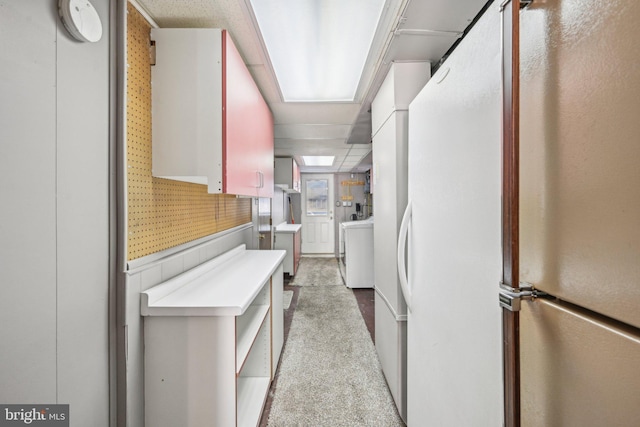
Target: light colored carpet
317	272
287	296
329	374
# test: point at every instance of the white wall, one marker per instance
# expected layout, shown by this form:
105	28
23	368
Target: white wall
296	208
279	206
54	215
343	213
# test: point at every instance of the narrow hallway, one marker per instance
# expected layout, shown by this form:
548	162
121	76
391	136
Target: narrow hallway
329	373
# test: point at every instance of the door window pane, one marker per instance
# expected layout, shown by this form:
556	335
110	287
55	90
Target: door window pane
317	196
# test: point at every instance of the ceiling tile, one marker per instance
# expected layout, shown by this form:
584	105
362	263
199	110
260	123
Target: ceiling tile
312	131
335	144
442	15
357	151
314	113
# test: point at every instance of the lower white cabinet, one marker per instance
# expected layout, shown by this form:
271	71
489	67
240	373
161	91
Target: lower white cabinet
277	317
287	237
213	338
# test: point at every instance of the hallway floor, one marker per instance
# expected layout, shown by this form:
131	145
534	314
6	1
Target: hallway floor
365	302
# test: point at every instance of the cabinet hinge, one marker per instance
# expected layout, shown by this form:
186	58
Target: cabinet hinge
510	298
523	4
152	52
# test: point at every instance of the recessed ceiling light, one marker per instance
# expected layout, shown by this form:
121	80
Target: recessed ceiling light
318	160
318	48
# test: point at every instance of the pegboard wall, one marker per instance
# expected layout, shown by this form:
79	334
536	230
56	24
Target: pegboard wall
163	213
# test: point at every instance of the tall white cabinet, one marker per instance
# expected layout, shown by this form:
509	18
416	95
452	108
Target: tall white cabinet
389	112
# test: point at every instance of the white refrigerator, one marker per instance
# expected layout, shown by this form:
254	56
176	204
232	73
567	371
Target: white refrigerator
389	111
579	223
453	226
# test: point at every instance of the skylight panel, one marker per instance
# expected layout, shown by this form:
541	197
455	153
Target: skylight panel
318	48
318	160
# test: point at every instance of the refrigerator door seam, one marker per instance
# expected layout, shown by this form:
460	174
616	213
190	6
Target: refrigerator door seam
398	317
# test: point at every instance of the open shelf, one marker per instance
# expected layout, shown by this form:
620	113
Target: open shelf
247	327
252	392
212	340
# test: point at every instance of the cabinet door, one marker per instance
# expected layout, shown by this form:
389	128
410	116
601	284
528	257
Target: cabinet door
264	145
296	252
247	129
296	175
186	106
277	318
287	173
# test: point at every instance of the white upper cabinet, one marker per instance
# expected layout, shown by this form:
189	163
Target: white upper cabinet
210	124
287	172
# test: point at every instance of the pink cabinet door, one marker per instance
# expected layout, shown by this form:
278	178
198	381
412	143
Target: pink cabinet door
247	132
296	251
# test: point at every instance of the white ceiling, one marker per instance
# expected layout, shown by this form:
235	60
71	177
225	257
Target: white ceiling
409	30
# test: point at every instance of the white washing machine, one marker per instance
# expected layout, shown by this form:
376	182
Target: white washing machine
356	253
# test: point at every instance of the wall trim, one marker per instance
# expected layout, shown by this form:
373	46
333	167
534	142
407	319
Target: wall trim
144	13
148	261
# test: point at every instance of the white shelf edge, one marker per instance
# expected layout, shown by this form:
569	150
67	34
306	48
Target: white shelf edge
247	327
151	296
209	290
252	393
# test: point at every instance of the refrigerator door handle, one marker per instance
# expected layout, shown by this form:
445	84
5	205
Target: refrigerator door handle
402	240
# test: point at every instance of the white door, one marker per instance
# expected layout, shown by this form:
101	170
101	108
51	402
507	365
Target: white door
317	214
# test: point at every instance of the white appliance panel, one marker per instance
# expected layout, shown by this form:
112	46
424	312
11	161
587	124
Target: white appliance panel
389	113
391	197
358	253
454	367
391	346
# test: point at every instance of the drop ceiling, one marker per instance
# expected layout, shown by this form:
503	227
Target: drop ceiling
409	30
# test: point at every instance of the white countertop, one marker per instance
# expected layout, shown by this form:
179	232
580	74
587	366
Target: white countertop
224	286
287	228
365	223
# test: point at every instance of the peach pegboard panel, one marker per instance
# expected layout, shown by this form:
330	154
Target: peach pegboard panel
162	213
